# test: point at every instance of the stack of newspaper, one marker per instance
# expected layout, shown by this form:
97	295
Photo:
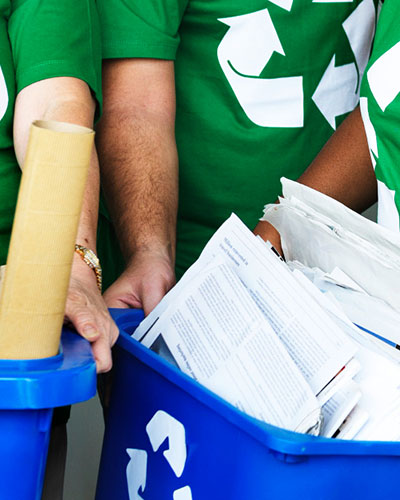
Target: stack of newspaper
244	325
279	339
356	264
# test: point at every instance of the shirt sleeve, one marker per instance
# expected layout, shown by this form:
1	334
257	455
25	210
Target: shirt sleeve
49	39
141	28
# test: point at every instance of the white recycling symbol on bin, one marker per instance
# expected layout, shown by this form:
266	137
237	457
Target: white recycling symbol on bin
160	427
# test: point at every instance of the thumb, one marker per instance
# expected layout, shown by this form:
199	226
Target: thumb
151	296
115	302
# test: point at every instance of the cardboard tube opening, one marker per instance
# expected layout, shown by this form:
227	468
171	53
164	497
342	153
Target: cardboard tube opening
61	127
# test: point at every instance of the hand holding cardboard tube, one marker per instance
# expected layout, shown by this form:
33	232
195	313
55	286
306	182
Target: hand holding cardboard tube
35	286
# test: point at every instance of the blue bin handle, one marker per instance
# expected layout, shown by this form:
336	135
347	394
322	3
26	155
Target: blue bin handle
69	377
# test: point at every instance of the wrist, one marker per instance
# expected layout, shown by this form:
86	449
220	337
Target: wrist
86	266
80	270
269	233
155	250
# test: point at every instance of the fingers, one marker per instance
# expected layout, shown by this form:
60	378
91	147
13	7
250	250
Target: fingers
101	348
139	295
101	332
102	355
87	312
152	294
115	296
122	293
115	302
142	285
83	319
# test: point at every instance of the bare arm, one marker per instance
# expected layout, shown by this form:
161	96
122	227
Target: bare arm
342	170
139	167
69	100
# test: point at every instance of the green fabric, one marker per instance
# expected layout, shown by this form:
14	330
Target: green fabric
122	39
50	38
381	112
228	160
9	174
39	39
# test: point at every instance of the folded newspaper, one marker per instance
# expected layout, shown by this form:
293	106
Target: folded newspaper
241	323
278	339
356	264
320	232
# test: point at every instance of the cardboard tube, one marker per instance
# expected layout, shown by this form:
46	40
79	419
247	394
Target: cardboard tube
2	273
35	285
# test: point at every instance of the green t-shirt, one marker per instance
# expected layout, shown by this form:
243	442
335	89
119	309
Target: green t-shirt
380	108
39	40
260	86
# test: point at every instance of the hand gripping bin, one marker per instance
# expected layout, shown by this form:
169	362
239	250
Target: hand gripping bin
29	390
168	438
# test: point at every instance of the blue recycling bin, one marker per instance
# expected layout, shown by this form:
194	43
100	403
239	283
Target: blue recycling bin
169	438
29	390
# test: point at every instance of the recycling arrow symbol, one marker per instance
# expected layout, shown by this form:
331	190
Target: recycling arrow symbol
279	102
339	89
268	102
3	95
162	426
384	77
336	93
136	472
384	82
388	214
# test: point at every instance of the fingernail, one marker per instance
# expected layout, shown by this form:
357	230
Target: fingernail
90	331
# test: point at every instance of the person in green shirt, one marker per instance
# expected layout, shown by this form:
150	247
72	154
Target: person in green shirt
380	110
238	93
50	69
48	74
361	162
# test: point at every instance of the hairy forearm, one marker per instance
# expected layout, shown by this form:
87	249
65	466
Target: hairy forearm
139	169
68	100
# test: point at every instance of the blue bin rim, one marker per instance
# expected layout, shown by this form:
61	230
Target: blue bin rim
279	440
27	365
67	378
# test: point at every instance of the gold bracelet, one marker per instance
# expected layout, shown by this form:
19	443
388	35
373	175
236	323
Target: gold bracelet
91	259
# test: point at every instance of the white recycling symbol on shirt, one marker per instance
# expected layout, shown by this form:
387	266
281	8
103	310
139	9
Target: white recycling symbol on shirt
160	427
248	45
3	95
384	82
255	34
